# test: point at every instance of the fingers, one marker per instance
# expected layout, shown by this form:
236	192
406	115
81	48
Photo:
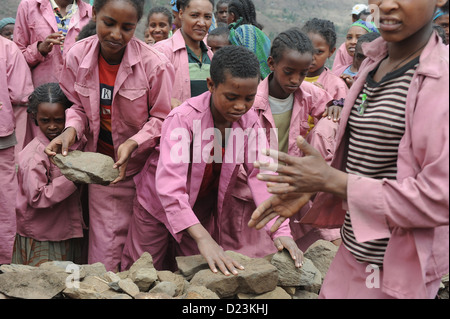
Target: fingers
289	244
226	264
280	220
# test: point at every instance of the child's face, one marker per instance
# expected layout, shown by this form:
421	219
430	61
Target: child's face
443	22
196	19
8	31
351	40
222	13
233	98
289	72
158	26
216	42
116	24
359	56
148	38
322	54
405	19
51	119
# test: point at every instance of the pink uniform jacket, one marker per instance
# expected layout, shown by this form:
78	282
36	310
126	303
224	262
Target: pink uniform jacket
171	194
48	205
175	50
413	210
141	98
15	86
35	21
333	84
342	60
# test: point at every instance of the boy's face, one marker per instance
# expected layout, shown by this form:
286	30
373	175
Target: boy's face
216	42
8	30
51	118
222	13
233	98
289	72
402	19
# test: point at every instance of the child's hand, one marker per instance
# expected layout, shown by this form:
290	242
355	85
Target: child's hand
212	252
284	242
333	112
61	143
123	155
348	79
46	46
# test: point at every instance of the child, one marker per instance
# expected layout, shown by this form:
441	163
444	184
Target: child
7	28
222	11
283	102
393	192
351	72
176	18
356	30
186	195
323	37
120	88
159	22
15	86
218	38
44	31
49	216
186	50
88	30
441	18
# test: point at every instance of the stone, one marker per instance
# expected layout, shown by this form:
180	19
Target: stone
16	268
96	269
289	275
199	292
87	167
190	265
166	287
258	277
144	278
178	280
277	293
321	253
149	295
37	284
129	287
304	294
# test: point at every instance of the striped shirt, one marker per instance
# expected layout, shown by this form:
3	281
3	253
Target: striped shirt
198	70
376	125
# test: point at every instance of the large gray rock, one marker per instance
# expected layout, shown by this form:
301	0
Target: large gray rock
87	167
322	253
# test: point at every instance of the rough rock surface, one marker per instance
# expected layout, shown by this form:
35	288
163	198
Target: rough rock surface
87	167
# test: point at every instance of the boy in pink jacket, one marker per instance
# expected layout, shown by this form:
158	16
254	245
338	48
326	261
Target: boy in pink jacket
15	86
396	231
120	88
186	194
48	205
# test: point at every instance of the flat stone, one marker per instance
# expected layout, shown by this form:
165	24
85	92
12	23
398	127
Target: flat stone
289	275
87	167
178	280
277	293
321	253
129	287
165	287
190	265
199	292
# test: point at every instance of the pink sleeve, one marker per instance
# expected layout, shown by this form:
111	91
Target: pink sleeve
20	85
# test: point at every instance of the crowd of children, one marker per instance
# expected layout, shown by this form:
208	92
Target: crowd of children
200	116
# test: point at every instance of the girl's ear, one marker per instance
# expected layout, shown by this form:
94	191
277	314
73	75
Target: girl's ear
332	52
271	63
232	17
94	15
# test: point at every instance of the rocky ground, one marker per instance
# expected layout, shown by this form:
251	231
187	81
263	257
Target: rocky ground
272	277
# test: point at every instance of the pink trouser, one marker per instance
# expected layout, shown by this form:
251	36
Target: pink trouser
349	279
8	191
110	210
148	234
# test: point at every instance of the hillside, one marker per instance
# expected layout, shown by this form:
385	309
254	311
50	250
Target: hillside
276	16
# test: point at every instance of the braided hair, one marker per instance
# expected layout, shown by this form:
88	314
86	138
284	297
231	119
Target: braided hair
244	9
324	28
47	93
292	39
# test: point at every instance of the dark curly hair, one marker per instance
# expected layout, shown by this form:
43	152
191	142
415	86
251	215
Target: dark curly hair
138	5
244	9
182	4
292	39
235	60
47	93
324	28
162	10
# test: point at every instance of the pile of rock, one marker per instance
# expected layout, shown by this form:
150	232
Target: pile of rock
272	277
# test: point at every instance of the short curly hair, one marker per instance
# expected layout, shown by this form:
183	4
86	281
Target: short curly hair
324	28
237	61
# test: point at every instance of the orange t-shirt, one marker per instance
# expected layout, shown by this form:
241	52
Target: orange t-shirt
107	77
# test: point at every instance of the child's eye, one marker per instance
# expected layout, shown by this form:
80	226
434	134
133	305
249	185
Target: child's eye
287	72
108	24
230	98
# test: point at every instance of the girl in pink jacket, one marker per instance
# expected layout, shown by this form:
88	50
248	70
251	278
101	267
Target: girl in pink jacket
120	88
187	50
15	86
48	205
391	187
185	194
